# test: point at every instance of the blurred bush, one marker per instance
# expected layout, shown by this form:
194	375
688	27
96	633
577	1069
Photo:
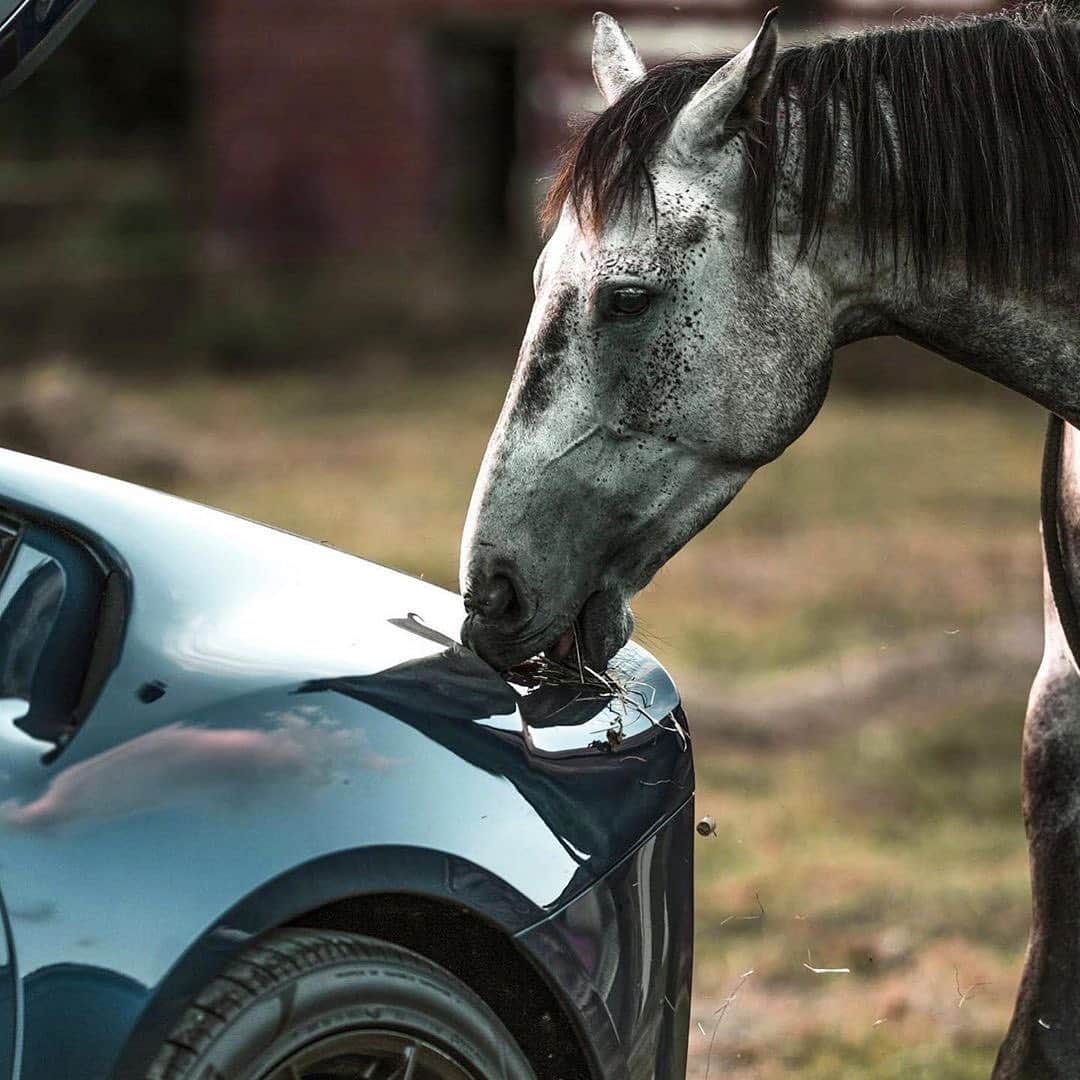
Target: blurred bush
59	411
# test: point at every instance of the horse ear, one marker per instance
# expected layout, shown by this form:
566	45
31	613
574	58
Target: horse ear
616	63
732	97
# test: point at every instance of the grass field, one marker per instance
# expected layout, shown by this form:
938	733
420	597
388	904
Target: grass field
855	635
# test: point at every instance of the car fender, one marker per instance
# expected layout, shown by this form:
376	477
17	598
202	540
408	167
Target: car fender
131	856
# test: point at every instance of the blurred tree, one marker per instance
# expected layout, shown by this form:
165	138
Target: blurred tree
124	76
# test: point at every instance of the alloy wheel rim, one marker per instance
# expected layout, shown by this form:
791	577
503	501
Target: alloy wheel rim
370	1054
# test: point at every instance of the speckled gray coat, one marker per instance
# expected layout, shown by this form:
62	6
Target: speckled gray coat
621	438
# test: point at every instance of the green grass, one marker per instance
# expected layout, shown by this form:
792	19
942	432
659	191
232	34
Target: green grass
883	1059
897	851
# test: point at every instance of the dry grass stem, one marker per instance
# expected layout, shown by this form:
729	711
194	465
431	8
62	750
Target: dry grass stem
745	918
809	965
963	995
720	1013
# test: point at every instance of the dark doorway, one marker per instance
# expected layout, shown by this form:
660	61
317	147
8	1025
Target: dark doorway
477	87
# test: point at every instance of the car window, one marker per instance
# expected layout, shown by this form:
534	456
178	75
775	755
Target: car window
52	595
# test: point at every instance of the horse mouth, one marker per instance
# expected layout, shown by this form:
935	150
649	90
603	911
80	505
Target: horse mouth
602	627
562	648
584	643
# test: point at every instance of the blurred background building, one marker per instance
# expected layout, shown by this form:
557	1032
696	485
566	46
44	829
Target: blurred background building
384	142
369	122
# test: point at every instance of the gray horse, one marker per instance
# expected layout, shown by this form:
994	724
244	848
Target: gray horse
717	231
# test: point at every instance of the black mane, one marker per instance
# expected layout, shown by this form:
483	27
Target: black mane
965	138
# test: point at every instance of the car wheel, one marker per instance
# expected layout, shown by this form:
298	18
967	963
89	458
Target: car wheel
324	1005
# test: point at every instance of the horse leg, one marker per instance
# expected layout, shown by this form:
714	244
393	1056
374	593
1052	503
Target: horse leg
1043	1040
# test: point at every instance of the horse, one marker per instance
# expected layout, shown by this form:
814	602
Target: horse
715	233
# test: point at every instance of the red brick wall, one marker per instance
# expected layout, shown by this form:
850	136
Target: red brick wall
321	118
316	129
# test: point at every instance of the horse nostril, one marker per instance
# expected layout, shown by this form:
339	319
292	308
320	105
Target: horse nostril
498	597
494	599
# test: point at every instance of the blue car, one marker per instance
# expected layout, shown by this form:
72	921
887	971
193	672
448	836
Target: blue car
262	818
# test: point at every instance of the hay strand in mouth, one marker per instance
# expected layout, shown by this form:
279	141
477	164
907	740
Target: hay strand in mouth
577	649
542	670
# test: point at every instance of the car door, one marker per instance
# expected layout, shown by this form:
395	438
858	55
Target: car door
58	632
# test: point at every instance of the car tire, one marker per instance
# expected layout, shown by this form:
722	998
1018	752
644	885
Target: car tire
316	1003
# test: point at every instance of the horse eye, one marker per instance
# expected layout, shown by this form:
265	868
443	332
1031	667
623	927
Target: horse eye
629	301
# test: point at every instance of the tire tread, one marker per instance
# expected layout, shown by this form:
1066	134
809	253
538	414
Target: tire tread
271	962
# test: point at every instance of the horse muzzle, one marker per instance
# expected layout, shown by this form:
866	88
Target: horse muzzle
504	630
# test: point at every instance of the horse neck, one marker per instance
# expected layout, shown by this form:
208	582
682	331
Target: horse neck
1026	340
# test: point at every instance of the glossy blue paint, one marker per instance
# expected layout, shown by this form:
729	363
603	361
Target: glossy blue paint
623	953
284	726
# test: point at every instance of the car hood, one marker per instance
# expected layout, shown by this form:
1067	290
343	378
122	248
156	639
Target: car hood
220	594
224	608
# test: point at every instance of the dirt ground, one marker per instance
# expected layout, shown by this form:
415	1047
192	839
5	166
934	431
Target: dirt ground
855	637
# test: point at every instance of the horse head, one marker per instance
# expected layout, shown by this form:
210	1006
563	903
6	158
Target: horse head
663	363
